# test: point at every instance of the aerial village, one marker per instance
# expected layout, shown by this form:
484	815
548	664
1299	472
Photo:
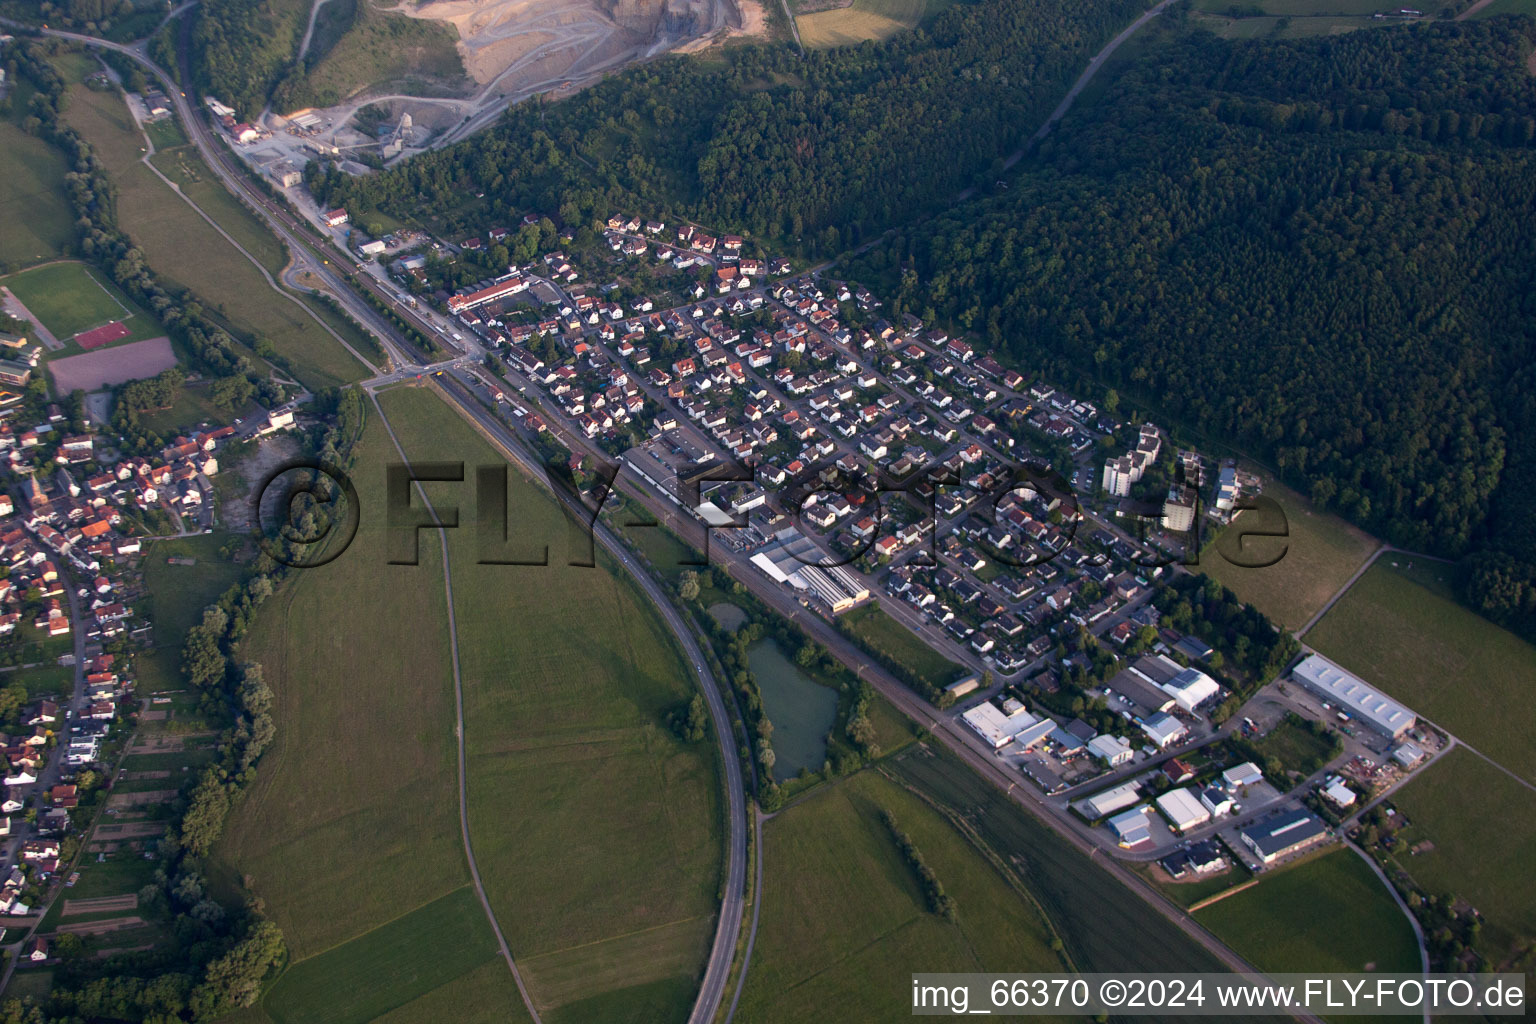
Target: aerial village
1032	536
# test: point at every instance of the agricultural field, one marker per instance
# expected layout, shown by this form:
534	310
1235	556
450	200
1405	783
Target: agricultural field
863	20
1328	913
486	995
1479	827
187	251
33	206
1090	910
396	964
1442	660
353	818
872	626
1498	7
844	917
598	834
1321	552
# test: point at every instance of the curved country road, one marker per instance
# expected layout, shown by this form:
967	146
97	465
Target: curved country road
712	989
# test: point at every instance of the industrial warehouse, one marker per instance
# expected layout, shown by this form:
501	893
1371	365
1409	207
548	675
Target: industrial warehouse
1354	696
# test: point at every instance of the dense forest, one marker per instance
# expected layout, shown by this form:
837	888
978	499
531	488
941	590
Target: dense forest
1320	252
821	151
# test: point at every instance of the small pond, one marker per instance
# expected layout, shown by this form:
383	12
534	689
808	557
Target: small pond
802	710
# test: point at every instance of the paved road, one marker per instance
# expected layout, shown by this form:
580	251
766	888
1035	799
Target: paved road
943	729
943	726
712	989
69	713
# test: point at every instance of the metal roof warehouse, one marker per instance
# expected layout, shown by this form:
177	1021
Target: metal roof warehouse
1353	695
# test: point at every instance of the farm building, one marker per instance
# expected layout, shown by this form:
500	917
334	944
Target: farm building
1283	833
1182	809
1354	696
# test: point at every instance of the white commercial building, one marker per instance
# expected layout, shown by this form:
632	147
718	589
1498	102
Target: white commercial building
1191	688
1000	729
1183	809
1112	750
1163	729
1245	774
1354	696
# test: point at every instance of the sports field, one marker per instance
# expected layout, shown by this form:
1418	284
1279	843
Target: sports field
395	964
1321	552
844	919
1440	659
39	224
187	251
1329	913
862	20
1481	825
70	297
598	834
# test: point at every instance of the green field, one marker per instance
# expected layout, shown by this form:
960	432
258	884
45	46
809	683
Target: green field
1437	657
1329	913
353	819
844	921
187	251
1296	748
1526	7
1092	911
1482	824
192	409
862	20
71	297
39	224
1321	553
486	995
599	835
874	627
1283	28
391	966
177	596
